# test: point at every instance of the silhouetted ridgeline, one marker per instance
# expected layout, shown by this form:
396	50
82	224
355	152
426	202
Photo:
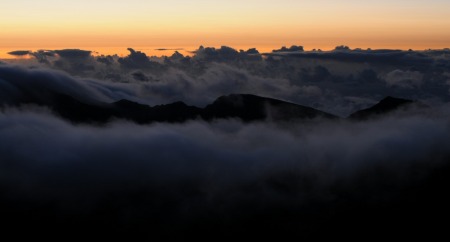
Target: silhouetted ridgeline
241	106
245	107
69	171
339	82
387	105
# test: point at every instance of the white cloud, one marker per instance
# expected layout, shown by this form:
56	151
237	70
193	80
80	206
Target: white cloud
404	79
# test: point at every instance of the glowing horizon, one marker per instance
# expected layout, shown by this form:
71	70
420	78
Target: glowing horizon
320	24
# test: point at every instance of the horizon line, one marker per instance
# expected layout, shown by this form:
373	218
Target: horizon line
7	53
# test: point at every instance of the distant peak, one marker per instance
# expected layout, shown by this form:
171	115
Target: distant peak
395	99
177	104
386	105
124	101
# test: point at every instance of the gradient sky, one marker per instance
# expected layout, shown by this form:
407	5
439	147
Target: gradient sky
323	24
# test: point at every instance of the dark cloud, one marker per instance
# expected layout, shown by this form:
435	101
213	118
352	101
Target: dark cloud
74	61
379	57
340	81
293	48
183	179
178	60
73	53
220	179
404	79
107	60
164	49
20	52
43	56
140	76
137	60
226	54
20	84
342	48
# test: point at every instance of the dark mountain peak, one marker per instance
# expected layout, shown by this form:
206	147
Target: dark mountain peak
178	104
141	113
246	107
250	107
125	103
175	112
77	111
392	101
239	100
386	105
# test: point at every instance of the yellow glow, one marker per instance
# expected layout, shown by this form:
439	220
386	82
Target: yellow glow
53	24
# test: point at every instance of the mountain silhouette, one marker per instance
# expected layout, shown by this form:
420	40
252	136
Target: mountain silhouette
140	113
251	108
385	106
246	107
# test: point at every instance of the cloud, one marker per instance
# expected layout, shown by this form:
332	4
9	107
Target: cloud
19	84
293	48
217	80
140	76
404	79
374	57
226	177
171	86
107	60
311	91
137	60
221	175
73	53
226	54
20	52
213	72
164	49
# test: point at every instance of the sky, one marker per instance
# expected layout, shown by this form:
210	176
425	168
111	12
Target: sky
109	24
81	152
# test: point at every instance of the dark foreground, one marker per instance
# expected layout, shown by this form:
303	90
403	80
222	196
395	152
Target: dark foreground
368	206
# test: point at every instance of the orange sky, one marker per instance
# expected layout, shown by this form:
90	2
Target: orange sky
103	24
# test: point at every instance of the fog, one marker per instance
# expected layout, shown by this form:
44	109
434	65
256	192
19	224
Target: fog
340	82
221	178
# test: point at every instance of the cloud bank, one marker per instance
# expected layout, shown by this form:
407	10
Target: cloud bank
218	180
221	175
340	81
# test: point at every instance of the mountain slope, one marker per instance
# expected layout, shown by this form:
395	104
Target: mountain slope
385	106
240	106
246	107
251	107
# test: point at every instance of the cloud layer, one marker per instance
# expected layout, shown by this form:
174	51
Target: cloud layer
224	178
223	175
340	81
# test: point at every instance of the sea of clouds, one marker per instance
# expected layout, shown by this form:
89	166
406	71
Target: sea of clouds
224	175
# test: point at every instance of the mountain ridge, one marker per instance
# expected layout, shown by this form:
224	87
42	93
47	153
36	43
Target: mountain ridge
383	107
246	107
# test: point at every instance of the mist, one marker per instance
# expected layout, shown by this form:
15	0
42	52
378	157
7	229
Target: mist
219	175
340	81
224	177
